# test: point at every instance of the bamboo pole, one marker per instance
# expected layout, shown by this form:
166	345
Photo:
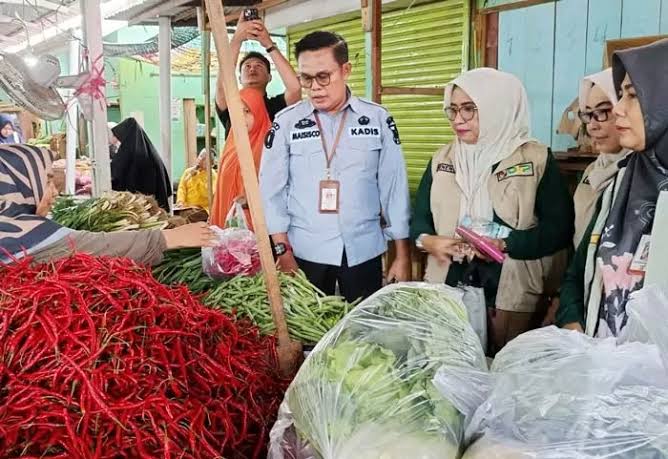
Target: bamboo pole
289	352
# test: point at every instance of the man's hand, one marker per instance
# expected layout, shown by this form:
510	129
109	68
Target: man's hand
246	30
262	35
287	263
400	271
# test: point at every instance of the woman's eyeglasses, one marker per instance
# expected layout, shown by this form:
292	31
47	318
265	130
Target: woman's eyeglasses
600	115
467	112
323	79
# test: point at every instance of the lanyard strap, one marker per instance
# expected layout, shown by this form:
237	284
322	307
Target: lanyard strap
329	155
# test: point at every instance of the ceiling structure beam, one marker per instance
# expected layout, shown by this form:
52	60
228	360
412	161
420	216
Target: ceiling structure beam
162	9
45	4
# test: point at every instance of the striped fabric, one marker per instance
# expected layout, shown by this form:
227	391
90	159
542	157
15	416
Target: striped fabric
23	178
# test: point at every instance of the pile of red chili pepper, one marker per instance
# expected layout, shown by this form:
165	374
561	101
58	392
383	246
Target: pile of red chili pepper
99	360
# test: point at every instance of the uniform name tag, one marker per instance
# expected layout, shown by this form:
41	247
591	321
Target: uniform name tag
364	131
444	167
303	135
518	170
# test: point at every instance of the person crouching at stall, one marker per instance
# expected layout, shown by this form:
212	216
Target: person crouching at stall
136	166
601	275
230	186
27	193
193	188
496	179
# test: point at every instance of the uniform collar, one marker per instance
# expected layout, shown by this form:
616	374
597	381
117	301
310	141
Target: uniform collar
352	102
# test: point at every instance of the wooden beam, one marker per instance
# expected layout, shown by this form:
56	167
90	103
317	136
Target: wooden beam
376	48
513	6
396	90
163	8
289	352
190	130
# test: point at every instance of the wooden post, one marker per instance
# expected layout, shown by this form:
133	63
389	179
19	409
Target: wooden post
190	130
165	99
72	125
289	352
206	81
376	47
99	139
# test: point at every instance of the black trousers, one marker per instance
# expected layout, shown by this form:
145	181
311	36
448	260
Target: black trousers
355	282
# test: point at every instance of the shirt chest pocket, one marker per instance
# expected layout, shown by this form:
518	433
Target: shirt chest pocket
361	154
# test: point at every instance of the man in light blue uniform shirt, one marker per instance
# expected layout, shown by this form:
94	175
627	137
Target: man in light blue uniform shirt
333	179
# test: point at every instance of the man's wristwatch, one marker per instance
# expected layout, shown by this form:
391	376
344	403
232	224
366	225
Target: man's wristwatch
419	242
282	248
271	48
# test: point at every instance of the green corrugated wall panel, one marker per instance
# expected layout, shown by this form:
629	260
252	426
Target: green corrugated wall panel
423	46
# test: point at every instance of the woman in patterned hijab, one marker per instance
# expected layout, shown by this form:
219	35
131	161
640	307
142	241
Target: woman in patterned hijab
26	195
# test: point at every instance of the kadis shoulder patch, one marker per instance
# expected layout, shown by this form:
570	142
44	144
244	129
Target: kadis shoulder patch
392	125
518	170
364	120
304	123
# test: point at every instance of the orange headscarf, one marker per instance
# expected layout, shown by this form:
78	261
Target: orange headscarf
230	184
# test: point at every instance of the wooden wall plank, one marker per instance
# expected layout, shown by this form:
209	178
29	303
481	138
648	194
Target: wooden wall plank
640	18
569	63
526	46
604	22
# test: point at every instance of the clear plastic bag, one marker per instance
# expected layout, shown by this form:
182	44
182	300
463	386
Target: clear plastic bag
236	254
557	394
366	390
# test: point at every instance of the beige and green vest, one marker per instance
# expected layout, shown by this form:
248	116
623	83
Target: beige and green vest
512	187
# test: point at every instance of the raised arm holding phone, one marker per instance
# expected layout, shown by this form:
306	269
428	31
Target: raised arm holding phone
255	69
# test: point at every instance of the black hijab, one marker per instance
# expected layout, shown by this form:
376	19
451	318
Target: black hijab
136	166
632	213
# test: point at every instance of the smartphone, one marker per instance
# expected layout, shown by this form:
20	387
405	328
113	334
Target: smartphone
251	14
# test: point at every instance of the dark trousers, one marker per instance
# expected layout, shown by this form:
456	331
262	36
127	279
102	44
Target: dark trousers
355	282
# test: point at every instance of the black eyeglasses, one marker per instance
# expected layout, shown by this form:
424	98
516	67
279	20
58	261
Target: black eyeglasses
600	115
323	79
466	111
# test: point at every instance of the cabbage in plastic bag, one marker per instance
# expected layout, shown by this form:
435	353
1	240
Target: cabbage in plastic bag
366	390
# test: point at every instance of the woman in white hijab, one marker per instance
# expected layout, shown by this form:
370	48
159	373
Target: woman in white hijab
501	183
597	99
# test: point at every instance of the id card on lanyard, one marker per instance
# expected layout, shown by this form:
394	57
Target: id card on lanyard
329	189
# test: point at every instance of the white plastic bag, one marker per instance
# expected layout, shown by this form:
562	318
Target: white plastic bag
366	390
236	254
555	394
236	217
474	300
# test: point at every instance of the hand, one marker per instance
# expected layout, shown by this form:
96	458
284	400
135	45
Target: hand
263	36
573	326
443	248
550	316
287	263
49	197
193	235
247	30
400	271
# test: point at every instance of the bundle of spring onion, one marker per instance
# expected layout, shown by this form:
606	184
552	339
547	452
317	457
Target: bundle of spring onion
309	313
113	211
